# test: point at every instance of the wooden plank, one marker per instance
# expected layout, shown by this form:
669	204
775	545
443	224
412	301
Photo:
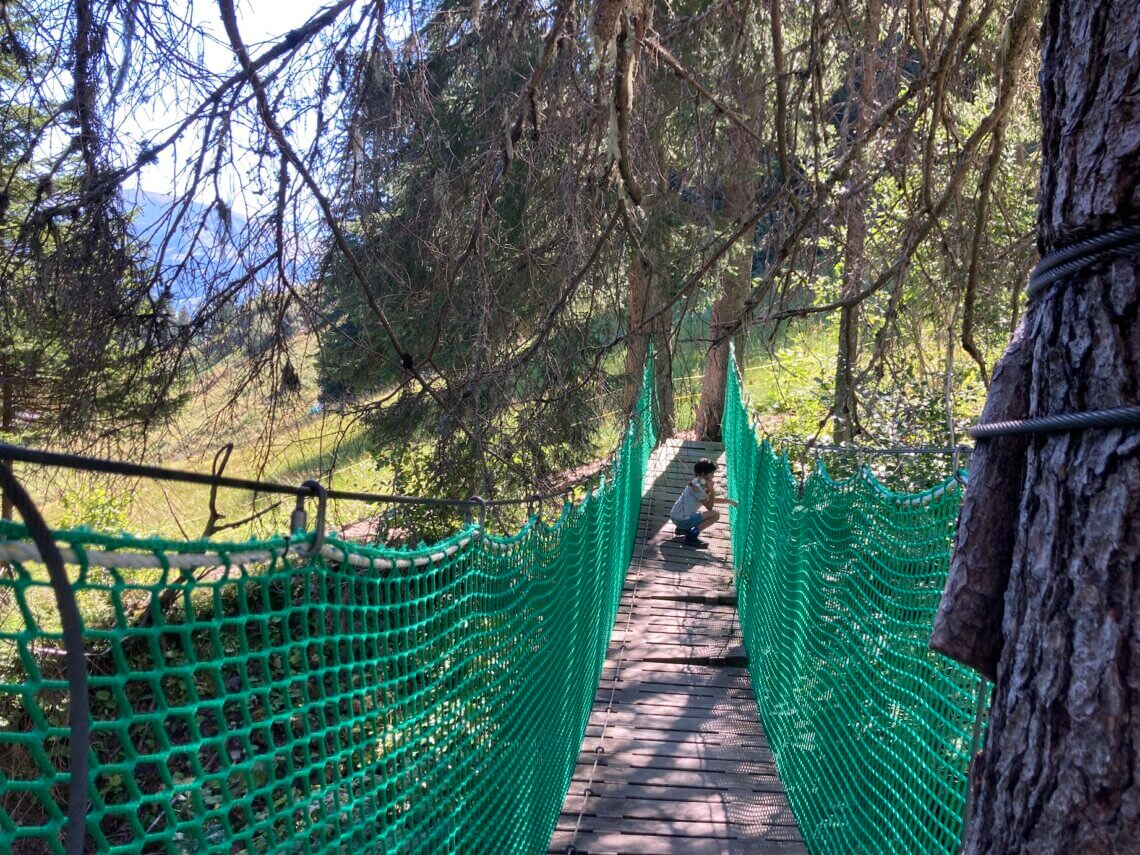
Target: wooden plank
672	696
707	706
745	743
622	761
713	808
677	582
655	609
763	775
661	721
705	829
757	746
609	843
695	779
659	634
766	807
696	610
680	629
624	629
586	843
665	690
681	669
673	576
675	681
676	622
687	718
681	624
657	682
677	648
722	675
724	827
678	749
648	650
675	579
661	792
649	612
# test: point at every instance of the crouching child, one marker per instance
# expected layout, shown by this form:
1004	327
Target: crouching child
687	515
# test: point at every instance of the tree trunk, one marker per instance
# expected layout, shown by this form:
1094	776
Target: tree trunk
7	422
846	424
662	330
643	296
637	341
1061	767
847	350
726	310
742	172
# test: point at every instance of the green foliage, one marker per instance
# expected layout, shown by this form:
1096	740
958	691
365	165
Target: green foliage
476	284
96	508
85	344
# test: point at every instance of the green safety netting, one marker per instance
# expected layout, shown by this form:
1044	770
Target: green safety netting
838	583
365	700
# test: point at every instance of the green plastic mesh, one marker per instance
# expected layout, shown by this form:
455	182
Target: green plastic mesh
366	700
838	584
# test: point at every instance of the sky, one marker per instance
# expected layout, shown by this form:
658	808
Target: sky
260	21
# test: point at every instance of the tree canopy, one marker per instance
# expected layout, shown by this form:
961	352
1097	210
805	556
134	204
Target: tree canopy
485	212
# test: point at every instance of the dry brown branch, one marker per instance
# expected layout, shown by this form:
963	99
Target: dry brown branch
1017	43
684	74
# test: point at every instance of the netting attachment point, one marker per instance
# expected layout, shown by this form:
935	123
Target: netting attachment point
298	520
600	749
481	503
588	791
571	850
956	466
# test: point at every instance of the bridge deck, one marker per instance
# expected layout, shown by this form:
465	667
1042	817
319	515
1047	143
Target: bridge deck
684	764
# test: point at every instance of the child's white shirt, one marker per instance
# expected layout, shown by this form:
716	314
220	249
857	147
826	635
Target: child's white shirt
689	502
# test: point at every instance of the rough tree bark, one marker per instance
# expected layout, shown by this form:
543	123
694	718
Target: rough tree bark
742	168
644	296
7	421
968	624
846	422
1060	771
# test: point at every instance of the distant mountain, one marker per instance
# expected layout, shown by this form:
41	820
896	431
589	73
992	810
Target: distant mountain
191	255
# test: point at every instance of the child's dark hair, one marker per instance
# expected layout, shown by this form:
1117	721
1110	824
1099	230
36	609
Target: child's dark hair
704	466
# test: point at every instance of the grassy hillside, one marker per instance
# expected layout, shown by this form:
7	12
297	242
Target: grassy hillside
283	440
287	439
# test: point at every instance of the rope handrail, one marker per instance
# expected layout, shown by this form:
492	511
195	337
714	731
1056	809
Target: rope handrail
1083	254
1113	417
83	463
869	450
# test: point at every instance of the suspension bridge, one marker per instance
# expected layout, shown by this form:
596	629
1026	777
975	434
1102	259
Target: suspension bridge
675	758
585	685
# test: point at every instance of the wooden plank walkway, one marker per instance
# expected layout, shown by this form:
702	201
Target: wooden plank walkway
675	759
